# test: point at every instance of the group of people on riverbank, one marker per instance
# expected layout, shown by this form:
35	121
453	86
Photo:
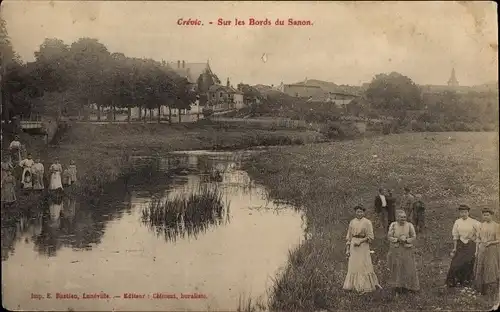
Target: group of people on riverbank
475	255
30	173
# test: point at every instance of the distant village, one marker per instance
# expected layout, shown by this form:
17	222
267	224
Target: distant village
225	96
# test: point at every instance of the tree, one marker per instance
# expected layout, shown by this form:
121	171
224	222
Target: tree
394	92
183	95
90	58
121	83
53	69
9	66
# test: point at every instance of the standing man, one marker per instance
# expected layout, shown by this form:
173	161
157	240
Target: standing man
419	213
391	207
407	201
381	208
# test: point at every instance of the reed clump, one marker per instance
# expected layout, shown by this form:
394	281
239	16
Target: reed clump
187	215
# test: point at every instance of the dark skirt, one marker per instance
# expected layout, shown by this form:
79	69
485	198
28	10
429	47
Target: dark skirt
391	213
462	265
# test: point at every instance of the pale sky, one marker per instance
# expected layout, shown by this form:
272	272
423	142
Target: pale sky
348	43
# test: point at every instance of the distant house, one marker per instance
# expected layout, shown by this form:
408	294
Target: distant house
264	88
251	95
300	90
238	99
195	73
225	97
313	87
336	98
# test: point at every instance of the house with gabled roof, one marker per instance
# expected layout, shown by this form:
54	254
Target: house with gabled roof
193	72
339	99
225	97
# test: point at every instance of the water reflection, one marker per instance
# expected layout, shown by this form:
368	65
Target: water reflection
221	236
19	225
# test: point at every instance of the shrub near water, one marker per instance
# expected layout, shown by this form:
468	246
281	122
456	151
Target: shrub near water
187	215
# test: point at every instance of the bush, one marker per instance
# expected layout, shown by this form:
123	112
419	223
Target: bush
339	130
475	126
207	112
418	126
387	128
373	115
375	126
460	126
490	127
435	127
330	131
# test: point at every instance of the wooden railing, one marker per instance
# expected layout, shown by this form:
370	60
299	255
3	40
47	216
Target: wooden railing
28	124
31	122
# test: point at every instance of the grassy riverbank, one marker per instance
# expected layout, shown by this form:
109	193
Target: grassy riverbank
100	151
137	138
328	179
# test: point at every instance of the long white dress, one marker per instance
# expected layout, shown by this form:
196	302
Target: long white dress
360	274
27	165
55	177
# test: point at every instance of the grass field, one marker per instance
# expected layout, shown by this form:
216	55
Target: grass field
326	180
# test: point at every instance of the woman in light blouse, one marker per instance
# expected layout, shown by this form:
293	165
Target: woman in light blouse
360	274
488	256
464	233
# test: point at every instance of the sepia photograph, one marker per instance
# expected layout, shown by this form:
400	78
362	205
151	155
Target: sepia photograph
249	155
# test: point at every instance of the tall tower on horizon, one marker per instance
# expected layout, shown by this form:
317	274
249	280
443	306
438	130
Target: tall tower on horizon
453	82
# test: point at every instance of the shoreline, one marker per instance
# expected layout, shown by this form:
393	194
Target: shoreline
102	152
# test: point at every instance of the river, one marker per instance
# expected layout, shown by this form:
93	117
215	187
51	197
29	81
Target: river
69	248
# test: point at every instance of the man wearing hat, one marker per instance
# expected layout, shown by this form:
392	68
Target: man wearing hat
407	201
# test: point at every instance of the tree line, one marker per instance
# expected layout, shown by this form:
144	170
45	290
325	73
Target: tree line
394	96
65	79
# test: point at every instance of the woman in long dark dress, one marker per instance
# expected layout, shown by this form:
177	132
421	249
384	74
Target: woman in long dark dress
464	232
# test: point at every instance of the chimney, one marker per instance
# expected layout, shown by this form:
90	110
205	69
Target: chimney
178	64
183	64
228	82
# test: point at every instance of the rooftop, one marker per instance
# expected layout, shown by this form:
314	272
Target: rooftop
190	71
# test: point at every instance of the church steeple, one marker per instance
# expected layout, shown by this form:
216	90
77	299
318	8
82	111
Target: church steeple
453	82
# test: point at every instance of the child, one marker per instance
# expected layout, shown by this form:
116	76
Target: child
66	177
72	172
28	182
418	213
27	165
